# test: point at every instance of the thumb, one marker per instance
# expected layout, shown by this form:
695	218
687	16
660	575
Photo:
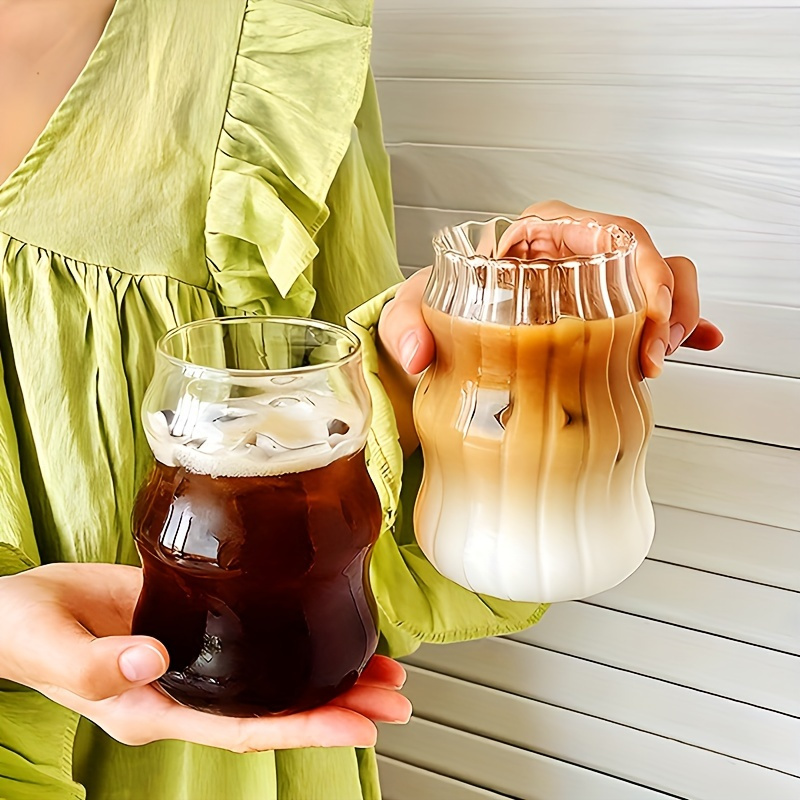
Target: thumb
402	328
98	668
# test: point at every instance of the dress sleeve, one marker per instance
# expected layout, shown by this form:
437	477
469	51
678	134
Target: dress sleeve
416	603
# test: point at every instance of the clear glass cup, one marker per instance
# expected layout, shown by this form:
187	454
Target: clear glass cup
534	418
256	524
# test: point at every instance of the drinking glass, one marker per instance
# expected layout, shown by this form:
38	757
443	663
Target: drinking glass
256	524
534	418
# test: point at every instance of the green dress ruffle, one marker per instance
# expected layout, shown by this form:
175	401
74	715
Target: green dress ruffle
211	158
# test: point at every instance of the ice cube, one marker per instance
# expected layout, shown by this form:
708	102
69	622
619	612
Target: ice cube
208	391
284	402
337	426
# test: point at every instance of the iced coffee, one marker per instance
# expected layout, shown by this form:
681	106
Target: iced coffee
256	525
534	418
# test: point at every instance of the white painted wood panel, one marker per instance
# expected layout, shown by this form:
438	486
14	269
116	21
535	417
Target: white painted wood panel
501	767
686	657
713	192
481	6
401	781
556	40
624	752
736	405
634	113
740	610
675	712
746	550
727	213
758	338
726	258
725	477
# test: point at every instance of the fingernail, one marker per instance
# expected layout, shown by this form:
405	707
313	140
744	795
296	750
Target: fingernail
662	306
656	353
676	335
141	663
408	349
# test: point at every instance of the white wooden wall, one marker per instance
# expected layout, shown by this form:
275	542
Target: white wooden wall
685	680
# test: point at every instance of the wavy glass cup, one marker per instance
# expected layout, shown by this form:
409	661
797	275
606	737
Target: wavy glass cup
257	523
534	418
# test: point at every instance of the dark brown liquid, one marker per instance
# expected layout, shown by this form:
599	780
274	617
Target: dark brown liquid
258	587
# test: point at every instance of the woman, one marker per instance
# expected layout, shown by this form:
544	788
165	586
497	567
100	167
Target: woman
209	158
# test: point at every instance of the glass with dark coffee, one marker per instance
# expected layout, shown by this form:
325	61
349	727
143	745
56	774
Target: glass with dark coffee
256	525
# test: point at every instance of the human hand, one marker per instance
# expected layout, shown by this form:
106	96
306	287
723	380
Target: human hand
65	631
670	286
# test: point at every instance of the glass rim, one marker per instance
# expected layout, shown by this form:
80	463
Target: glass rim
595	259
303	322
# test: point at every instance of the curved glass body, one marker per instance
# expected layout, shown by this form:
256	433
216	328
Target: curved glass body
256	525
534	418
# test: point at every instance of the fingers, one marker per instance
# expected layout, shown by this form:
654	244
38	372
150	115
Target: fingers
101	596
402	328
61	652
54	614
145	715
685	312
670	288
96	669
531	239
379	705
658	283
383	672
686	327
706	336
329	726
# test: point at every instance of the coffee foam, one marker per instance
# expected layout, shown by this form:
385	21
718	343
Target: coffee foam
266	435
246	466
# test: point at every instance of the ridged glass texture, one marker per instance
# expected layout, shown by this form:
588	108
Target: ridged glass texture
534	418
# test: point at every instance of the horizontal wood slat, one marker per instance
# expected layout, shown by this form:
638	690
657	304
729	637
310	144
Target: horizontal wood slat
725	477
686	657
480	6
715	192
501	767
635	114
536	40
737	405
646	704
401	781
746	612
617	750
746	550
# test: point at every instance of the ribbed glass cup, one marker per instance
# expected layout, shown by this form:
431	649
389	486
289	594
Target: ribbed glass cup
534	418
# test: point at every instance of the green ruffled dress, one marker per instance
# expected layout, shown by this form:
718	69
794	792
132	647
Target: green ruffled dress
213	157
